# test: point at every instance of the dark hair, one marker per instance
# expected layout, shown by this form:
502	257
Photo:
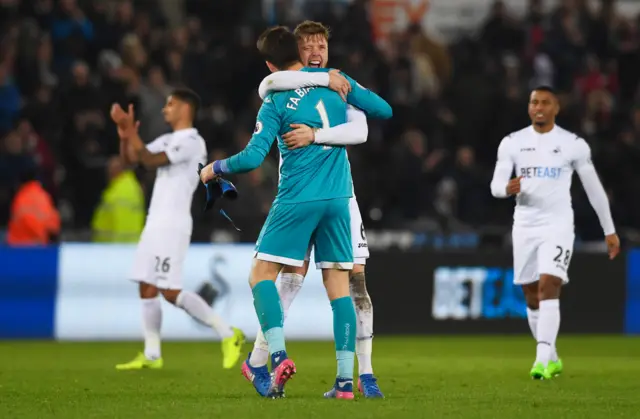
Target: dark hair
279	46
188	96
309	28
545	88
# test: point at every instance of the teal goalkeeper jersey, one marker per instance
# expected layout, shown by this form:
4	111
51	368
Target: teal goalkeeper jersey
315	172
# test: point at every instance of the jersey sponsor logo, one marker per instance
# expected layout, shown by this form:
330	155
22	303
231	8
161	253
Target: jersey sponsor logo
527	149
556	150
362	232
541	172
258	128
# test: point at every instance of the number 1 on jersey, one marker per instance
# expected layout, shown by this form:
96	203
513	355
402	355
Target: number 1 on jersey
324	117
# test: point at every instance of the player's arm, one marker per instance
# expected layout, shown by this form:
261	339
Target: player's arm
267	128
354	131
128	154
593	187
504	167
369	102
147	158
291	80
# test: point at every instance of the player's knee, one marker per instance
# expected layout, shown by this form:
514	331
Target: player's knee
336	282
298	270
357	269
147	290
171	295
358	289
531	295
549	287
263	270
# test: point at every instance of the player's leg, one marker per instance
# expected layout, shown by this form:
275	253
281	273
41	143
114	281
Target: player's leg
531	296
526	245
554	259
170	259
142	273
334	255
367	383
284	240
291	278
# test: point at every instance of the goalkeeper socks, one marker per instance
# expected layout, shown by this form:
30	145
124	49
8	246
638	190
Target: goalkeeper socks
344	333
269	310
197	308
288	287
151	324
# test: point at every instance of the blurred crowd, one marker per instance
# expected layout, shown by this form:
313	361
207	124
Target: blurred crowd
63	63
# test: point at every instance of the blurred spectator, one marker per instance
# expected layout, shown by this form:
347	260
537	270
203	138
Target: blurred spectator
10	101
71	32
34	219
63	63
153	95
120	215
470	181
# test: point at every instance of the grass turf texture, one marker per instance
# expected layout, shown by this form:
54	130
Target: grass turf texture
436	377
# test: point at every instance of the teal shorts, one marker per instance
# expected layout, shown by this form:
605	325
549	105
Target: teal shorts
290	228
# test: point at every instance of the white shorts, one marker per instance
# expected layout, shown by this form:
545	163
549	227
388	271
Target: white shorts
358	237
159	258
537	252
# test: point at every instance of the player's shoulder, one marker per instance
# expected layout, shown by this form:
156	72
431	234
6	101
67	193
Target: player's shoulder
164	138
316	70
567	135
275	99
515	136
189	137
571	139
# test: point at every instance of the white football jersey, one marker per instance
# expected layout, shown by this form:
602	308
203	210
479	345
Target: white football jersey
175	183
546	163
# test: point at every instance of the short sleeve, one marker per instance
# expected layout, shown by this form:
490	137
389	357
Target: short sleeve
182	148
158	145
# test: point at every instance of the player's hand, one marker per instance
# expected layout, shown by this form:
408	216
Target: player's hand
339	83
118	115
124	120
126	134
613	245
206	174
301	136
513	187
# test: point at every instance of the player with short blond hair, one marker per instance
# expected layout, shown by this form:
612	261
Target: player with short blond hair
313	47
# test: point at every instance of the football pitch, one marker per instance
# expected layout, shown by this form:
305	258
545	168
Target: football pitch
435	377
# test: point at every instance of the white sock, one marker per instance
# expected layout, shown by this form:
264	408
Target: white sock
151	324
288	287
197	308
547	331
364	347
532	316
364	317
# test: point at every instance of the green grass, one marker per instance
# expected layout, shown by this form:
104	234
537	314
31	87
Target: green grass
438	377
